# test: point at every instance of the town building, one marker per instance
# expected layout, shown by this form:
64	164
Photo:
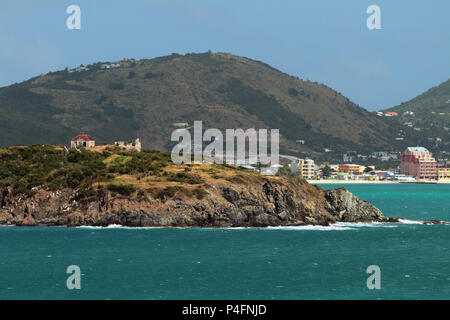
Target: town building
305	168
418	163
82	140
444	174
130	145
385	156
109	66
403	178
350	168
180	124
347	157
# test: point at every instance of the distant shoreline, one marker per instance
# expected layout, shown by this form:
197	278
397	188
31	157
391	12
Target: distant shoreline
366	182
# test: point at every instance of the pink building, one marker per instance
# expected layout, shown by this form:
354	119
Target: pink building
418	163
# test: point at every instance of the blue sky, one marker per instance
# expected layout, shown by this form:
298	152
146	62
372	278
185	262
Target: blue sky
319	40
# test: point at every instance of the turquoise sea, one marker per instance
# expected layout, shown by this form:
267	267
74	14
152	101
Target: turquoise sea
272	263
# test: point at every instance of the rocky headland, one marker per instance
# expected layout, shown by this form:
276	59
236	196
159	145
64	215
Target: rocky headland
108	186
272	203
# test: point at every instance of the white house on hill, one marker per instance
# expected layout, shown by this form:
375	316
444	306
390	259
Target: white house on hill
82	140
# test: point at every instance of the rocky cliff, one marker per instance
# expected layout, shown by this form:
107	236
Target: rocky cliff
107	185
272	202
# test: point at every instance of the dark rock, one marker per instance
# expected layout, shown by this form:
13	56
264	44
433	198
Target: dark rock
267	202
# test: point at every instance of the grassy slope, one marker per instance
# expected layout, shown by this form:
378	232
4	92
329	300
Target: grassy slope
144	98
124	173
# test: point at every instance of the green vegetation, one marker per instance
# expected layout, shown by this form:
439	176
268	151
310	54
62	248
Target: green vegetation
107	170
185	178
144	98
327	171
293	92
150	75
125	190
172	191
267	107
24	169
116	85
168	192
63	85
367	169
285	171
431	113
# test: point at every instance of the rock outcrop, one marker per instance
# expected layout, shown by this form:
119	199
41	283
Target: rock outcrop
271	202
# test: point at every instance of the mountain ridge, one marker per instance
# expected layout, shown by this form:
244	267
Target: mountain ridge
144	98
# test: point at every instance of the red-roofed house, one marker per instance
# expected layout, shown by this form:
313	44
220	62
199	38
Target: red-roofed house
82	140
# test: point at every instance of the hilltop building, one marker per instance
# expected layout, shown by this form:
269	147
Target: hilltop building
418	163
130	145
82	140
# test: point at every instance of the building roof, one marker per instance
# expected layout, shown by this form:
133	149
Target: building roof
84	137
418	149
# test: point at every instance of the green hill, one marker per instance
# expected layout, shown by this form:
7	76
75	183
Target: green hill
145	98
430	114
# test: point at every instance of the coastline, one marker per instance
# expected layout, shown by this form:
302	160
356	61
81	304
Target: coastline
349	181
364	182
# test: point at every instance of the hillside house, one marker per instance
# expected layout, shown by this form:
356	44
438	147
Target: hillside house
180	124
130	145
109	66
82	140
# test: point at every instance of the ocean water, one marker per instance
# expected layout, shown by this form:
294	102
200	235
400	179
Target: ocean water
272	263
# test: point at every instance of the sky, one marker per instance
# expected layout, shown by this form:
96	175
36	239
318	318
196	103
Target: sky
319	40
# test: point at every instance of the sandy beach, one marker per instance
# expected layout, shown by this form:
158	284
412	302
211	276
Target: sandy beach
351	181
363	181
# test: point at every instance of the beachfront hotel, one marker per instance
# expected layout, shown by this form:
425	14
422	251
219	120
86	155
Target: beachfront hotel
305	167
418	163
444	174
351	168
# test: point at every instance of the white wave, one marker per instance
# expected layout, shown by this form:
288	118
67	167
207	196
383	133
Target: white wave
338	226
311	227
358	224
429	223
407	221
117	226
365	224
232	228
